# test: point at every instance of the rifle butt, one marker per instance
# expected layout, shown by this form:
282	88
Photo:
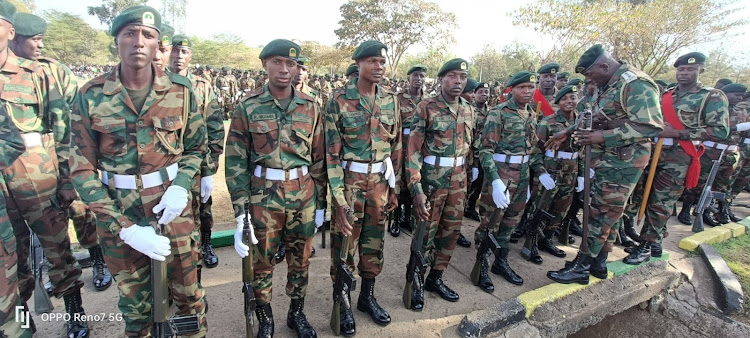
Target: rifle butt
42	302
408	288
249	326
336	318
476	270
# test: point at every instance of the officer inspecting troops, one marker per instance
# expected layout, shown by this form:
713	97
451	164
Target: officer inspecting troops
138	140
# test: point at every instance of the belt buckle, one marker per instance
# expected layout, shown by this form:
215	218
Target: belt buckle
139	182
369	168
286	175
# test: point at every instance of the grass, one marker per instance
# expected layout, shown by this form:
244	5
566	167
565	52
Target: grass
736	252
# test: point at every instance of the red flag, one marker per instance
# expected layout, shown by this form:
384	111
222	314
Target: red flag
670	115
540	100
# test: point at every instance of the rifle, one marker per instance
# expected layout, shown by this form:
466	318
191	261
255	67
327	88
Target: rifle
323	234
42	303
707	195
345	281
248	274
164	326
588	121
539	220
489	243
417	265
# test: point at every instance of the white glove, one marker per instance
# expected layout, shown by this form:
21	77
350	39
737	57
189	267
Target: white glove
173	202
207	186
146	241
528	194
474	174
500	196
389	174
547	181
743	126
319	216
591	173
579	188
242	249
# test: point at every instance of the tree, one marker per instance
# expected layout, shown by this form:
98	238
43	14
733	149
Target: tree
326	59
111	8
399	24
69	39
175	12
24	6
646	33
433	58
225	50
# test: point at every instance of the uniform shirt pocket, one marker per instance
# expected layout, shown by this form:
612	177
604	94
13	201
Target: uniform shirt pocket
354	125
112	135
168	134
265	136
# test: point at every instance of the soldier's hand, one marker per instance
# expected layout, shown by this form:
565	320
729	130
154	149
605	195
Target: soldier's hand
66	197
421	207
584	137
554	142
342	220
392	202
669	132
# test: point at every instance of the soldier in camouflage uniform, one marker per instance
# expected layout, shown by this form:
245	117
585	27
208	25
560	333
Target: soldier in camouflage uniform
439	154
227	87
28	44
37	186
547	88
182	53
742	174
138	141
351	72
364	155
702	116
481	95
275	158
628	117
562	81
161	59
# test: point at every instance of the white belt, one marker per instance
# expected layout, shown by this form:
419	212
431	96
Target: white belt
407	131
224	88
362	168
149	180
444	161
720	146
32	139
668	141
560	154
746	140
280	174
515	159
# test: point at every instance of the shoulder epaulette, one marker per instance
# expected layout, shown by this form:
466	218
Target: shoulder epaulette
304	96
179	79
629	76
253	93
97	81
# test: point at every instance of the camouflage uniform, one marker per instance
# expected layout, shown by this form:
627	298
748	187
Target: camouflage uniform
227	86
109	134
359	135
441	133
407	106
475	188
742	175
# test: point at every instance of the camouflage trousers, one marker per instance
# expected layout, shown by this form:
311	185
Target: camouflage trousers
516	178
612	188
31	195
132	269
723	181
84	223
741	176
475	190
563	194
283	213
446	212
368	233
9	296
668	185
202	215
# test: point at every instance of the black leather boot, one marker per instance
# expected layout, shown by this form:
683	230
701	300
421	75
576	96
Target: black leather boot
575	272
599	265
723	215
545	244
434	283
628	224
74	305
395	230
518	231
102	277
709	220
656	250
210	260
279	256
265	321
470	212
625	239
732	216
575	227
405	222
462	241
417	293
296	320
684	217
641	254
368	304
530	250
501	267
485	282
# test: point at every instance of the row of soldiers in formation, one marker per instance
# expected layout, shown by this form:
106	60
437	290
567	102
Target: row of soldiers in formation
140	144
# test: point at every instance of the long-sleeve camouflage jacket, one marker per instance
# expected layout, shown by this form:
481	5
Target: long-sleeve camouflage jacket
208	105
704	112
11	147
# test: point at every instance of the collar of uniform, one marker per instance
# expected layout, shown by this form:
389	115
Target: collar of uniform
511	104
408	96
444	104
561	117
113	85
352	92
267	97
697	88
13	63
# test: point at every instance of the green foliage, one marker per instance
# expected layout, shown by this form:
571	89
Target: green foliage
494	65
24	6
736	252
69	39
225	50
111	8
433	58
326	59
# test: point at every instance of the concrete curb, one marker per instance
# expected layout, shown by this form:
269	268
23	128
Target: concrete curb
730	290
715	235
483	322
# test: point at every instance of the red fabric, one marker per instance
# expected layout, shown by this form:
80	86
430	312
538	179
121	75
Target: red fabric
540	100
502	97
670	115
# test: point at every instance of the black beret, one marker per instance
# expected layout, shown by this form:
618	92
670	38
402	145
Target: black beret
454	64
724	81
370	48
28	24
563	75
482	85
303	61
734	88
414	68
165	35
351	69
589	57
281	47
522	77
182	41
694	58
137	15
550	68
565	90
575	82
471	84
7	11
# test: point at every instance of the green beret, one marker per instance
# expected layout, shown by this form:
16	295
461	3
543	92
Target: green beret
370	48
575	82
550	68
281	47
137	15
28	24
589	57
303	61
482	85
201	68
351	69
226	68
662	83
734	88
166	33
563	75
7	11
724	81
522	77
471	84
209	67
565	90
454	64
694	58
414	68
182	41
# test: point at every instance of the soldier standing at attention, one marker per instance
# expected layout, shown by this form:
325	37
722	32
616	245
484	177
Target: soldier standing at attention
275	158
562	81
481	95
28	44
721	83
628	119
161	59
351	72
439	154
138	141
363	140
